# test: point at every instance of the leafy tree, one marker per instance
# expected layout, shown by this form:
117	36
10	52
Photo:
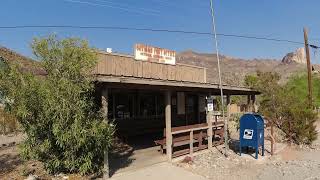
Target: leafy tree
64	127
285	106
298	84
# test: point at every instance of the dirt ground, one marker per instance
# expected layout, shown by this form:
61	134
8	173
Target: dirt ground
13	167
289	163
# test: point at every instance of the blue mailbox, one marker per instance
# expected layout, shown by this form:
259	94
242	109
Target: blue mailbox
252	132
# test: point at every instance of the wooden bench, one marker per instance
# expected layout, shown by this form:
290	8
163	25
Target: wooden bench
199	136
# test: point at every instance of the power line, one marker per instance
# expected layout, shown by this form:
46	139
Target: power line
128	6
112	6
155	30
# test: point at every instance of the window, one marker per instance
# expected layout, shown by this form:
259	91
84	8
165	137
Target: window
123	105
147	105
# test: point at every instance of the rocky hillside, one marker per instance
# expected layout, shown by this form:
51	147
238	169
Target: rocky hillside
299	56
234	70
27	64
10	55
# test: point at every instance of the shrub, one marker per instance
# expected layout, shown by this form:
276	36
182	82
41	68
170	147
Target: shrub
65	129
8	123
285	106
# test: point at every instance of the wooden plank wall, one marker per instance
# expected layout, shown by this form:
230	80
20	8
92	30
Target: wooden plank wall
116	65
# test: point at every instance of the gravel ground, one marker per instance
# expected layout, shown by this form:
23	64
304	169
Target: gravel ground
291	163
213	165
11	138
290	170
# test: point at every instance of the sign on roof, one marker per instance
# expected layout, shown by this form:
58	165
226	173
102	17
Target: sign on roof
154	54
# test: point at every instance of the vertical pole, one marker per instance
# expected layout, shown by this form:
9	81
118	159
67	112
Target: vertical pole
228	115
253	99
272	140
210	133
191	143
248	103
104	103
220	78
306	44
228	106
168	125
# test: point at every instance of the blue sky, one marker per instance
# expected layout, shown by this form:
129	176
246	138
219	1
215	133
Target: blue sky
283	19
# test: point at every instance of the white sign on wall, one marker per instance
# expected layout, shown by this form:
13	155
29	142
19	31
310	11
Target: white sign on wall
154	54
210	104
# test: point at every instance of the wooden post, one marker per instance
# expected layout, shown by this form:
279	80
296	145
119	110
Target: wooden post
249	103
104	103
210	133
168	125
228	106
253	99
228	118
306	44
272	140
191	143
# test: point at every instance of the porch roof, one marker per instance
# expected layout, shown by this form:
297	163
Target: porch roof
124	71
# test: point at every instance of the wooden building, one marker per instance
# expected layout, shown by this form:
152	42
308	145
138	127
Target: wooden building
147	97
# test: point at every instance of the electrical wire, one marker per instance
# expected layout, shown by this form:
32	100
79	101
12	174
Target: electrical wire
155	30
112	6
128	6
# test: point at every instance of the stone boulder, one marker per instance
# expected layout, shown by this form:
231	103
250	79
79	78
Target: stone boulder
299	56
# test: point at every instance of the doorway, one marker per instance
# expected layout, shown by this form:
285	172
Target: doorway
192	109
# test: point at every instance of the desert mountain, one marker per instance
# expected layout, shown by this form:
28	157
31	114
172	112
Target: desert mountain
27	64
299	56
10	55
234	69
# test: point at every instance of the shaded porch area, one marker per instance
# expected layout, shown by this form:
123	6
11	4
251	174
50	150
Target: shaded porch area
155	123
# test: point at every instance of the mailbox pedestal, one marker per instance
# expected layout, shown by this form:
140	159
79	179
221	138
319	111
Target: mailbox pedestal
252	132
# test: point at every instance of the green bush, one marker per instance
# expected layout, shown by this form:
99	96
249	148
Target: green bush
236	119
285	105
65	129
8	123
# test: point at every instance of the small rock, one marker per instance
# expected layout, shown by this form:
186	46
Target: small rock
32	177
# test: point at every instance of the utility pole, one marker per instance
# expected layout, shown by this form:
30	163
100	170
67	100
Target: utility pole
226	145
306	44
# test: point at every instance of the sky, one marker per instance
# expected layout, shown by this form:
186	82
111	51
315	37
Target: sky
283	19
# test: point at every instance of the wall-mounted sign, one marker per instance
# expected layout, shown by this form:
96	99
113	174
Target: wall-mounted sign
210	104
154	54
